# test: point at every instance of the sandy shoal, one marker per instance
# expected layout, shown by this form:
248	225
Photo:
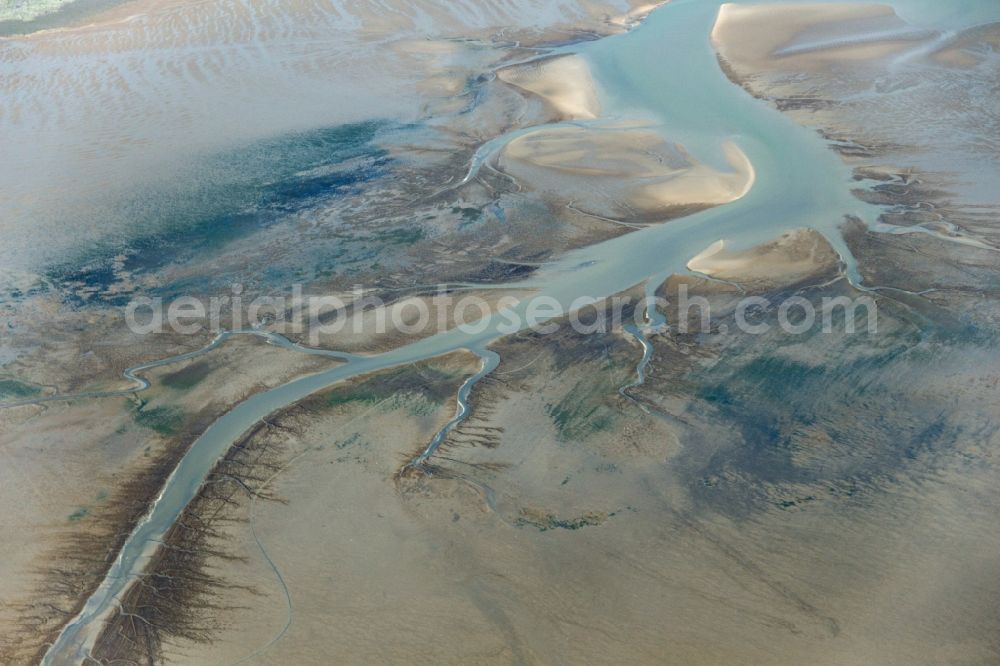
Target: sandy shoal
770	36
564	82
623	170
793	257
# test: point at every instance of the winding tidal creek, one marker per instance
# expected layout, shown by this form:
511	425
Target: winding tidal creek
665	70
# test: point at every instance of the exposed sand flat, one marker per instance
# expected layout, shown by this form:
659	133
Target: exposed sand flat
132	97
564	82
442	60
795	256
557	492
844	69
621	171
638	12
804	36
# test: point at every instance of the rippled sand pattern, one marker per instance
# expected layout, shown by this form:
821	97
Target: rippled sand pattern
131	97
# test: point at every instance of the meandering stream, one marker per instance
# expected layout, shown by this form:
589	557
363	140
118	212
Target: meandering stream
665	70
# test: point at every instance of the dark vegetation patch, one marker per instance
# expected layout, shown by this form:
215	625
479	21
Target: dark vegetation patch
468	214
177	597
429	381
248	189
801	103
165	420
15	388
401	236
500	271
69	574
544	522
590	405
570	348
583	411
187	377
829	426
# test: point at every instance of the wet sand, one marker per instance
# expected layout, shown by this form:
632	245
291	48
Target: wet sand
626	173
564	82
748	502
810	37
83	471
794	257
565	521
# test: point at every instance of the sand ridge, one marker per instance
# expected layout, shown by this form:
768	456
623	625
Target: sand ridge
768	36
623	170
794	256
564	82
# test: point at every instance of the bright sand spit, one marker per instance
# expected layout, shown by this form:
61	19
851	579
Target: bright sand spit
564	82
793	257
764	37
620	171
639	11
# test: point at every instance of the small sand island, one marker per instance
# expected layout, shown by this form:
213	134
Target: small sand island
623	172
614	168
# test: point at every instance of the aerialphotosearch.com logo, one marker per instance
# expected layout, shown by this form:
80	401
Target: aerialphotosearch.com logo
361	313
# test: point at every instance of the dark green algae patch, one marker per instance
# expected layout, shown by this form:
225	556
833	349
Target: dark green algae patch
230	196
544	522
187	377
11	388
435	385
164	420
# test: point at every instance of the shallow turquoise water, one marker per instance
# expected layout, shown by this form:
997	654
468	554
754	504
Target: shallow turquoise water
21	17
667	68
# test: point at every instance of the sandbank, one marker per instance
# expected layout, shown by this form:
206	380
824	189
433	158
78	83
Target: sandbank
623	172
793	257
755	38
564	82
